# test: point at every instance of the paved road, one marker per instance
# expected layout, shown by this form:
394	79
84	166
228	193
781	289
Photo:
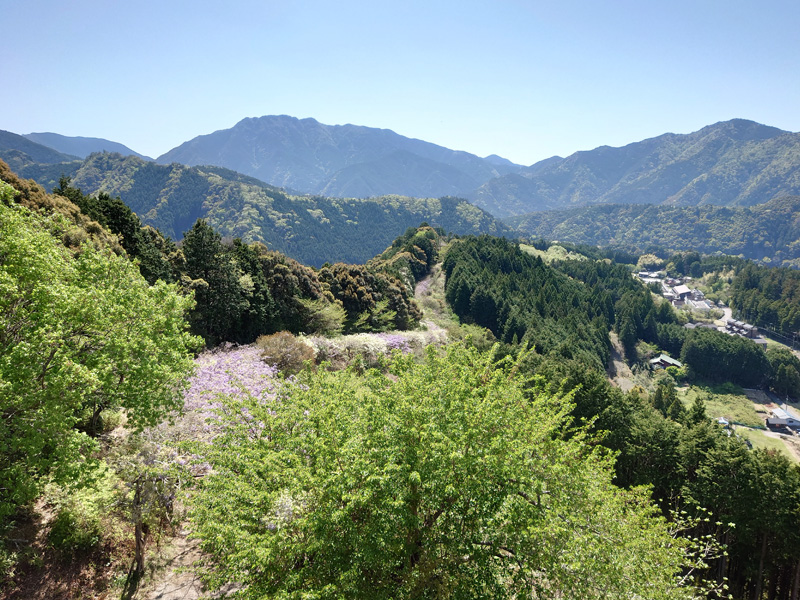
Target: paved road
727	314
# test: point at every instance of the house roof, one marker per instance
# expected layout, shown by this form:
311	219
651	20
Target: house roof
779	413
663	358
681	289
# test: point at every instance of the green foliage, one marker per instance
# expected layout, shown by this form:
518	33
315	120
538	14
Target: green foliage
411	256
554	252
7	192
285	351
785	368
768	297
649	262
492	283
310	229
76	332
765	231
216	283
324	317
444	480
372	300
78	524
716	356
155	253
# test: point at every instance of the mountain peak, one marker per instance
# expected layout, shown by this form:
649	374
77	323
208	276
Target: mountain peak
743	130
354	160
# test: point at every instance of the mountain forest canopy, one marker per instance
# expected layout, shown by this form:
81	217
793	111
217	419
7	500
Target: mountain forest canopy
310	229
765	232
504	465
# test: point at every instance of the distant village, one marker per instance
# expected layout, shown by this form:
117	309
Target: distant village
681	296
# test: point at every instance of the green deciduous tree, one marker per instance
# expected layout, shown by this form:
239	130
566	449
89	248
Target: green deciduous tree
78	335
443	480
785	372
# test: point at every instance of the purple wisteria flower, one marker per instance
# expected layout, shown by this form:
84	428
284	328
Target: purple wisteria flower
234	371
423	286
394	341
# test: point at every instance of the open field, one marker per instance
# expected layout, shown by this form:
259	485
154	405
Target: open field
726	401
744	407
771	441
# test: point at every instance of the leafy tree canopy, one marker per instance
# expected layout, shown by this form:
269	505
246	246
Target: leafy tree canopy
441	480
78	334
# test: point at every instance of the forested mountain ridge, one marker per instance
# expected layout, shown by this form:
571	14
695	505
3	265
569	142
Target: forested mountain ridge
80	146
18	151
766	232
338	160
313	230
731	163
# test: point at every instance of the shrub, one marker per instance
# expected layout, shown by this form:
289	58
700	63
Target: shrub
8	560
81	523
76	528
285	351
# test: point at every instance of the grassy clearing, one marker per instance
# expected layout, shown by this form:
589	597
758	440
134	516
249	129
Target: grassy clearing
725	400
553	253
775	344
759	439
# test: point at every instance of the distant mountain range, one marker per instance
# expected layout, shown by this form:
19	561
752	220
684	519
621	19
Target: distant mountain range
18	151
768	232
338	160
735	163
732	163
81	146
312	230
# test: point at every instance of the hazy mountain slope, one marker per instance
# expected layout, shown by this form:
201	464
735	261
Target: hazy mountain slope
17	150
312	230
732	163
406	173
81	146
770	230
305	155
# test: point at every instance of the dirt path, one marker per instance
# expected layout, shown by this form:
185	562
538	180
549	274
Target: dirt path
178	581
618	372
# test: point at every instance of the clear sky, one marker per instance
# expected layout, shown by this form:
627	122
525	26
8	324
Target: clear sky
525	80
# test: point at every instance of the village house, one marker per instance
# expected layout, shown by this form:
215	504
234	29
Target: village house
662	361
782	420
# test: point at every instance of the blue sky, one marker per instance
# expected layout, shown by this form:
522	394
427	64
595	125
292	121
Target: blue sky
525	80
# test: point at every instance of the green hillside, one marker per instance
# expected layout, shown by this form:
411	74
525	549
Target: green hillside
766	232
732	163
311	229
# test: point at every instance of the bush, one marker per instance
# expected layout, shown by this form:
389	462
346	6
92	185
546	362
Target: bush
81	523
8	560
76	528
285	351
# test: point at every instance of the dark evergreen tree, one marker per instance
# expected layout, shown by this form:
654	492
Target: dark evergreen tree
215	280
